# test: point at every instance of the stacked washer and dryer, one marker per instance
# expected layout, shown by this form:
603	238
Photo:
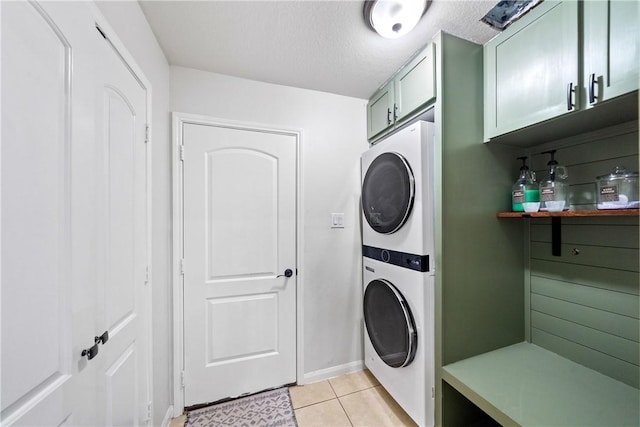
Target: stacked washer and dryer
398	267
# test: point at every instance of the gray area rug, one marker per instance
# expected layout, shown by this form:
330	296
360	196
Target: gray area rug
266	409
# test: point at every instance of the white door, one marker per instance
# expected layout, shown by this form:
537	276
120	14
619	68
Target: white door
60	277
239	239
37	316
120	130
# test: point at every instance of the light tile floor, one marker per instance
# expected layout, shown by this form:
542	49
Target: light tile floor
355	399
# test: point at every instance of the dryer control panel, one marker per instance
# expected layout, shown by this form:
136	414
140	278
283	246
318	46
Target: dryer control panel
401	259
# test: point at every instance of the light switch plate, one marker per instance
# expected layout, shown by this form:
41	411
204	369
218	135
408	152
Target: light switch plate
337	220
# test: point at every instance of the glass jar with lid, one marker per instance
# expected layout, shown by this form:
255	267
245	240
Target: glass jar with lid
618	190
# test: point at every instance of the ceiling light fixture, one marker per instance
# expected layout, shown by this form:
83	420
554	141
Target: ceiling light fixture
394	18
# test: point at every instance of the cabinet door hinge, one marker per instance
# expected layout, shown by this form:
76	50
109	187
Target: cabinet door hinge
146	276
146	134
182	153
182	267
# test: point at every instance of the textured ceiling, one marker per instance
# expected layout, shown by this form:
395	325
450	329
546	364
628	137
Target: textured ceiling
319	45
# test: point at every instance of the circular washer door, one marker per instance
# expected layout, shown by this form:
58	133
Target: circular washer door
387	193
389	323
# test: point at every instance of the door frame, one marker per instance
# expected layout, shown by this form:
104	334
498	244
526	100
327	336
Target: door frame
147	304
178	122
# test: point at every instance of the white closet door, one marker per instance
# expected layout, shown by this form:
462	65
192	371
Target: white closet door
124	359
65	259
47	307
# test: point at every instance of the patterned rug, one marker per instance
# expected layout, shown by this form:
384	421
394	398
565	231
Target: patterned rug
267	409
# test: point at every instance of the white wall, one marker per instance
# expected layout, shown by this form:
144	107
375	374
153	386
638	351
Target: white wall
132	28
333	137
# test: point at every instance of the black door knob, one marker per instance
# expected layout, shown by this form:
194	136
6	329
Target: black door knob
102	338
90	352
287	273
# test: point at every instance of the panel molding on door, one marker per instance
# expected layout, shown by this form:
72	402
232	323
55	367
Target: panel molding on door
239	272
261	341
225	169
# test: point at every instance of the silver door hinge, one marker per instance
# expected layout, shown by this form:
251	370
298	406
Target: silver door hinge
146	134
146	276
182	153
182	267
149	413
182	379
433	392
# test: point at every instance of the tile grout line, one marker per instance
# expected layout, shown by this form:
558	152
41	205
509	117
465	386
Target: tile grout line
314	403
340	403
335	396
357	391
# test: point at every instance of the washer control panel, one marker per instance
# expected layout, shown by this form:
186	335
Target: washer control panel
401	259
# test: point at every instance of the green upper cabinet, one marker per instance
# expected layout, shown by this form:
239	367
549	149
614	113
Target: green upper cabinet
611	48
415	84
404	96
534	70
380	111
531	69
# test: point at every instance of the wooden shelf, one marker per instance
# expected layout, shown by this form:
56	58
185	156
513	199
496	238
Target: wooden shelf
526	385
556	228
604	212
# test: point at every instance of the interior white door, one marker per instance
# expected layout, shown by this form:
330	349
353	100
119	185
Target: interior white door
73	222
47	216
239	239
121	128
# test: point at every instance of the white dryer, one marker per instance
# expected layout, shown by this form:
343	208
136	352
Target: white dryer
397	191
399	324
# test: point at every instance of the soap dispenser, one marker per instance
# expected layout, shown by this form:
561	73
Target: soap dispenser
553	190
525	189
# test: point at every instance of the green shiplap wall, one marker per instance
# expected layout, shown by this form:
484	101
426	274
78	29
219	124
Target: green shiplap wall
584	305
588	156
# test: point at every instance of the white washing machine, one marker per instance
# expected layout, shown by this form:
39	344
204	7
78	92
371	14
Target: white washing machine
397	191
399	331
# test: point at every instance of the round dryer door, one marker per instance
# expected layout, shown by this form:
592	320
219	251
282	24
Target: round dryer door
389	324
387	193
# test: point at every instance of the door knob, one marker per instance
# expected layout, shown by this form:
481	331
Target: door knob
287	273
102	338
90	352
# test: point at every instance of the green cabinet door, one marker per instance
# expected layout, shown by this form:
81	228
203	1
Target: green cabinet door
531	70
611	49
380	111
415	84
407	94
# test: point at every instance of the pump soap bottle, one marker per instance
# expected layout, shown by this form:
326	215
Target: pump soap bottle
525	189
553	190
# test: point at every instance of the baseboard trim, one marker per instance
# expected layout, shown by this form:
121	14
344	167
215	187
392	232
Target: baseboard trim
167	417
334	371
